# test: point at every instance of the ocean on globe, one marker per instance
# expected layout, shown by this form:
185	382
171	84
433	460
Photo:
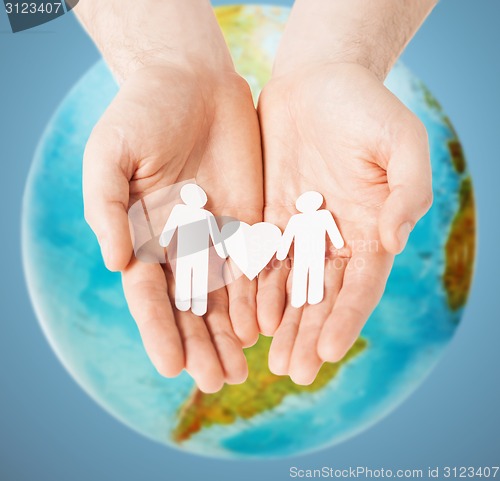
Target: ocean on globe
84	315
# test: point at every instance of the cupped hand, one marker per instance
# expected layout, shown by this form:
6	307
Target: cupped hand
335	129
167	124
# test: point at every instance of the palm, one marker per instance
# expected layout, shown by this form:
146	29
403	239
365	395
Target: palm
176	128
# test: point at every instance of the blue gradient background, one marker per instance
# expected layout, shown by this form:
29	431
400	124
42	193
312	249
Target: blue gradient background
51	430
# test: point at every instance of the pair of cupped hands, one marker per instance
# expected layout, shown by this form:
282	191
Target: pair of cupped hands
331	127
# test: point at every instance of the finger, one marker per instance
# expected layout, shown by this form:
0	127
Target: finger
284	337
106	196
244	203
271	295
202	361
242	305
363	285
305	362
410	182
228	346
146	291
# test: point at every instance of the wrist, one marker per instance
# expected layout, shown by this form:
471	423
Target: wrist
362	32
341	58
126	64
133	35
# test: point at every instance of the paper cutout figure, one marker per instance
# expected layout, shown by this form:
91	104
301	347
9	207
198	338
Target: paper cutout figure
308	232
251	247
195	228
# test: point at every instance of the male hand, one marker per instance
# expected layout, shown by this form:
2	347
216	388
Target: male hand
170	123
334	128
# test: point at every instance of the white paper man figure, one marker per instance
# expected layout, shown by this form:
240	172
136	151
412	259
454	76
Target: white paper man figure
308	230
195	227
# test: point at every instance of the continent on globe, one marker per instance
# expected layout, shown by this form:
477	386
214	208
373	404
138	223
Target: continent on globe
460	248
461	243
261	392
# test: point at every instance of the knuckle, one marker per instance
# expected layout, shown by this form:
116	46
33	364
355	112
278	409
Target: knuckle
417	125
193	338
426	200
222	337
88	215
150	309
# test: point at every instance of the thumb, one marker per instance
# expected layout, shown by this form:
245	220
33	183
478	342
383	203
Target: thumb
409	177
106	196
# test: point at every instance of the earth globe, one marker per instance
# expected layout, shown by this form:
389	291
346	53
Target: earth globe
83	313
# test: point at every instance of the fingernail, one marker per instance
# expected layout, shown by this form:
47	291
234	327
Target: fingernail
403	235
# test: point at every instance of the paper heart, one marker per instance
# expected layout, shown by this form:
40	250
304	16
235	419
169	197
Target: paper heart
251	247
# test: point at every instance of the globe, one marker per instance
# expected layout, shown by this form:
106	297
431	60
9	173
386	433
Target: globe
83	313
